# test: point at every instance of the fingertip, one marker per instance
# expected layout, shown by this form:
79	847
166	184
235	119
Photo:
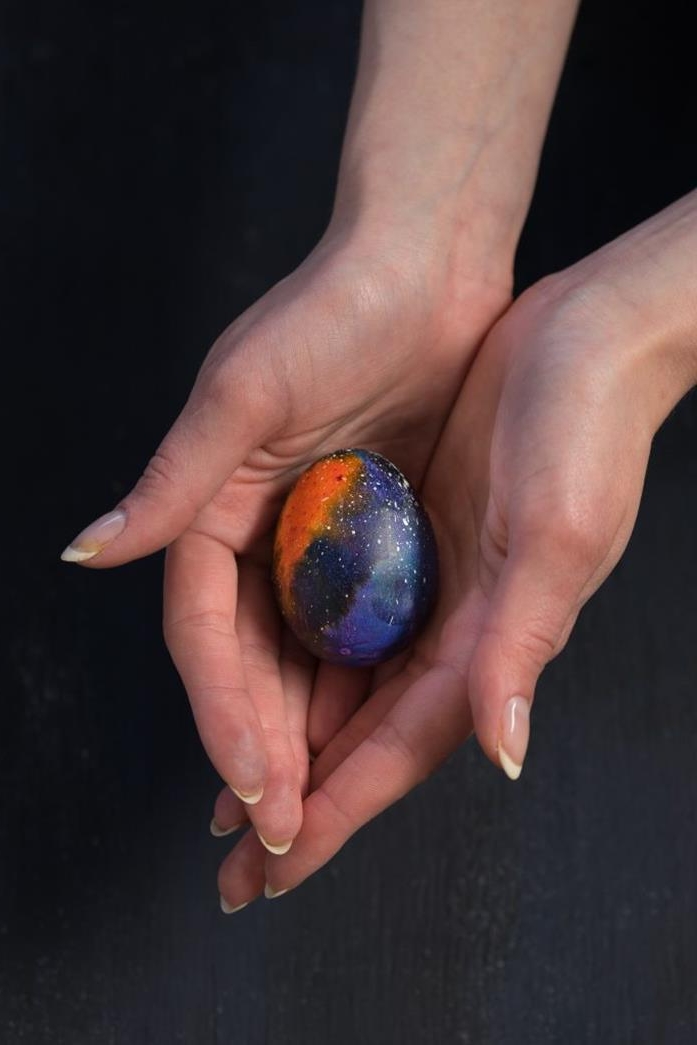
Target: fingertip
279	820
486	690
218	831
510	768
250	797
228	908
514	736
278	848
272	894
95	538
242	874
500	711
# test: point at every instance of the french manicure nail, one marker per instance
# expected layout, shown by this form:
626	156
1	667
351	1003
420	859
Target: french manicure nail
250	798
277	850
271	894
226	908
515	733
219	832
94	539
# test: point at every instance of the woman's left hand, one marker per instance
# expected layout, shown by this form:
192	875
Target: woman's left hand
533	492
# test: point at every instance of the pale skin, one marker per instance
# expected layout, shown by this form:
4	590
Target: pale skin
576	374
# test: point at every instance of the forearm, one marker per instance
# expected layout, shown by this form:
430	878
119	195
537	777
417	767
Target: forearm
450	107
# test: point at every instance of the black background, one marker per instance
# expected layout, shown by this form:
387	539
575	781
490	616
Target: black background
162	165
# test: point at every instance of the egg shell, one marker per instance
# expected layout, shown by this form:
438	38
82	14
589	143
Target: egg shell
355	560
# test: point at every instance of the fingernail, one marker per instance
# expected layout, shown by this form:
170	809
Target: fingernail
226	908
271	894
95	538
515	733
219	832
250	798
277	850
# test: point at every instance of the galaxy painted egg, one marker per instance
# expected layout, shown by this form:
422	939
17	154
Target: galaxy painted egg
355	561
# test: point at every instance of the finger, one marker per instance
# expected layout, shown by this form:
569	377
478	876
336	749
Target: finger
241	880
200	595
232	408
534	606
278	816
388	680
343	744
402	751
457	639
298	669
394	666
229	814
337	693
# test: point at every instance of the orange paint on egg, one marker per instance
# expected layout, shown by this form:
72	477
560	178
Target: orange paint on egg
308	511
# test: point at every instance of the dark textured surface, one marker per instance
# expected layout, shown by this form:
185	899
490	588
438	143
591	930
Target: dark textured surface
162	165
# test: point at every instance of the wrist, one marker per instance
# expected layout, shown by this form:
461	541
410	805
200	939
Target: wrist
640	287
409	268
446	124
631	308
456	195
437	238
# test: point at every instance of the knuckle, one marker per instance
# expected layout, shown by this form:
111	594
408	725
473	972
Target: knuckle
575	535
530	647
561	302
160	473
396	746
334	811
260	657
343	743
164	478
210	621
252	377
223	374
537	643
565	634
568	528
215	384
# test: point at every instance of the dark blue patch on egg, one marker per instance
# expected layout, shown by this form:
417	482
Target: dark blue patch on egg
355	561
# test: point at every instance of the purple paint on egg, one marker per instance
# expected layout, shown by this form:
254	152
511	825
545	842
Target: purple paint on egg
355	559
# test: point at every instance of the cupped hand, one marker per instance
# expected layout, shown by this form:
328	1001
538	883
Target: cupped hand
533	490
366	344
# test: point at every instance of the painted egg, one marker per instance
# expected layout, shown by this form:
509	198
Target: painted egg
355	561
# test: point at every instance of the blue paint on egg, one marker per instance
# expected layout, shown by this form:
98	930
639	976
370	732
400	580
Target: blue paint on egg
355	560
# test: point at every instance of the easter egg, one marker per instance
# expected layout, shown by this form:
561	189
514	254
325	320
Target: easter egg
355	560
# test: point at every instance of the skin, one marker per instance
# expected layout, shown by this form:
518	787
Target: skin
249	684
548	432
551	434
412	268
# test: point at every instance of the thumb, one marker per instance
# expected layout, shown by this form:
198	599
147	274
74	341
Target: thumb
534	606
227	414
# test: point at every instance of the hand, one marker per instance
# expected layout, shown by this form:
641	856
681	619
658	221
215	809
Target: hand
353	349
550	437
365	344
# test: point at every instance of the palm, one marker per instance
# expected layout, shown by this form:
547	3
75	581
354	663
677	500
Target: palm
380	724
529	519
247	678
